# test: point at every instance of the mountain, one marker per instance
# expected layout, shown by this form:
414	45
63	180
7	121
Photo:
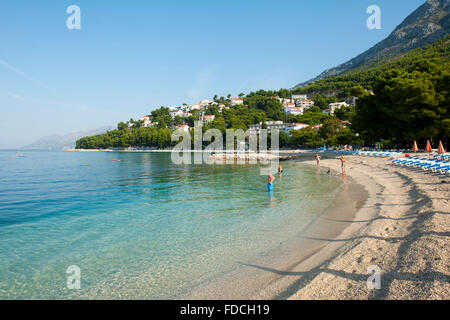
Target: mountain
342	85
429	23
58	142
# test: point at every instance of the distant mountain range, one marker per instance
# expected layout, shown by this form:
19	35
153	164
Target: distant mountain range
429	23
58	142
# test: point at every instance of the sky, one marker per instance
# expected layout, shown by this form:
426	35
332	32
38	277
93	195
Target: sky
131	57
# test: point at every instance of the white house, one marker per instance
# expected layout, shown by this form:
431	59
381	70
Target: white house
176	112
271	125
183	127
337	105
236	101
146	122
208	118
256	128
295	126
205	103
294	110
305	103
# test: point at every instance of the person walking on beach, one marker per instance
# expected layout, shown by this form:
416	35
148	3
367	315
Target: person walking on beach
318	160
343	160
270	180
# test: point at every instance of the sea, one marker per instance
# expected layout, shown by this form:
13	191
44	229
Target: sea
80	225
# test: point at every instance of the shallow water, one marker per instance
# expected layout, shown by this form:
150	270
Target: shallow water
142	227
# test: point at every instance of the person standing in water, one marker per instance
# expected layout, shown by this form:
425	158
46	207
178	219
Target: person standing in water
280	171
343	161
270	180
318	160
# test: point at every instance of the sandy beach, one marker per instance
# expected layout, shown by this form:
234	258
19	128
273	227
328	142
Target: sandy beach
401	226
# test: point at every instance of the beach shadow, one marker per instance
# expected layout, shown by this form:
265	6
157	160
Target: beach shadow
380	205
416	232
442	212
432	183
368	220
308	276
387	239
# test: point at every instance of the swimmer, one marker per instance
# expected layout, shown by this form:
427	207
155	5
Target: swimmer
318	160
343	161
280	169
270	180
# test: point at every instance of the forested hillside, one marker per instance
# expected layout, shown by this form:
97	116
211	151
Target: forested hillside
367	75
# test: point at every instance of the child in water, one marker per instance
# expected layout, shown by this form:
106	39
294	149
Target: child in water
270	180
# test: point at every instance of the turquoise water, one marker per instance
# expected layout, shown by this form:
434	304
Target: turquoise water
142	227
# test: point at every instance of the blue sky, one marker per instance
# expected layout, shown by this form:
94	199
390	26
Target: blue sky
131	57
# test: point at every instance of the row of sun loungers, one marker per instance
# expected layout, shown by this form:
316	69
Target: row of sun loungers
382	154
438	163
344	152
427	164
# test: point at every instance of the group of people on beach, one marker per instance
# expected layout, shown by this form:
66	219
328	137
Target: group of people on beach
271	177
343	164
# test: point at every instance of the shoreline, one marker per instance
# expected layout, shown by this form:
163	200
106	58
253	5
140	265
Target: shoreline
402	227
288	151
261	278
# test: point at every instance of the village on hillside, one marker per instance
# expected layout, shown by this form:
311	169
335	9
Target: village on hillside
296	105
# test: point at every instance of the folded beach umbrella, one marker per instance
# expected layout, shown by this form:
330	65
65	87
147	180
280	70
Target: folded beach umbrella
428	147
441	149
415	148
